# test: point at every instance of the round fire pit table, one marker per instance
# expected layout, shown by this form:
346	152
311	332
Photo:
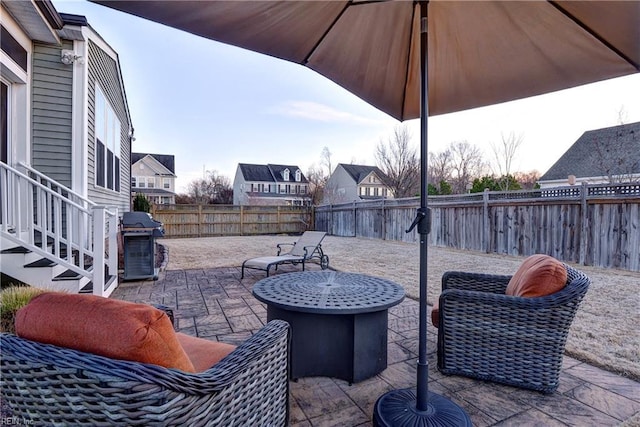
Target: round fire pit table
338	321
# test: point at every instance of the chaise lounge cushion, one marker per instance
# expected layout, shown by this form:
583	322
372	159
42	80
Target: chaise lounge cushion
538	275
106	327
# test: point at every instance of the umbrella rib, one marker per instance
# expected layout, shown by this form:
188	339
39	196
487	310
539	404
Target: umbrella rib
407	68
336	19
594	34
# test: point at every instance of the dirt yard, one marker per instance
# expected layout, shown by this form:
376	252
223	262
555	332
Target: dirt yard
604	332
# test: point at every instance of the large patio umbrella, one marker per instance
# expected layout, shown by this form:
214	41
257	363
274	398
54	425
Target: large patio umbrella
414	59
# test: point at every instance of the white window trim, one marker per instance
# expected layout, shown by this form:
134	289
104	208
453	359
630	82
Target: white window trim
116	144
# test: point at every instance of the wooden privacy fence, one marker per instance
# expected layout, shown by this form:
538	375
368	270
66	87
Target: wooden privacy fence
595	225
229	220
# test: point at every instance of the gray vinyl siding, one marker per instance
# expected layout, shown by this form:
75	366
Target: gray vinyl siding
105	71
52	83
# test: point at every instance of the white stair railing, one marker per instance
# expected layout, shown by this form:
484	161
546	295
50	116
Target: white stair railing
49	219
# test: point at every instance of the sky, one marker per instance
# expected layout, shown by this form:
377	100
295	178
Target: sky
213	106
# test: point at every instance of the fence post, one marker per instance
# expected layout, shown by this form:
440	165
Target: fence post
241	220
384	221
486	225
584	229
278	219
355	220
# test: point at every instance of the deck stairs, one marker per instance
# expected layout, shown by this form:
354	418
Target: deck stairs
53	238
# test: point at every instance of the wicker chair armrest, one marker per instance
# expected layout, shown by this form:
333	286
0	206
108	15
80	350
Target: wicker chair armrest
515	311
492	283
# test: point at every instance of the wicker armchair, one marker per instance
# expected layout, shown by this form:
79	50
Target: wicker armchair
54	385
488	335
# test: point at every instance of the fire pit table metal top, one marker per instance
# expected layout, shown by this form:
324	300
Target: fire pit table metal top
328	292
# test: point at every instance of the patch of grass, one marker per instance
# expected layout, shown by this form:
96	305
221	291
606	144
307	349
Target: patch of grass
11	300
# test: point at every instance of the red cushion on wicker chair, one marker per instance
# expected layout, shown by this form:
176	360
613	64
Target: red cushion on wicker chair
539	275
435	319
204	353
106	327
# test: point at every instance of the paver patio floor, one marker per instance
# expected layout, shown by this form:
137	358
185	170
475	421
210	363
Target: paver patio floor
216	304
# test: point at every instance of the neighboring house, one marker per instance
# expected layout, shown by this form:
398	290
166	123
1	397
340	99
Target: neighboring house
356	182
270	185
66	144
154	176
609	155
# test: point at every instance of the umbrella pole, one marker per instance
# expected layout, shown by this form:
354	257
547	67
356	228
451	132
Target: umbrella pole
421	407
424	215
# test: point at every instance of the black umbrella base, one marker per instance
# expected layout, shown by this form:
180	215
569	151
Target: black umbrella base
398	408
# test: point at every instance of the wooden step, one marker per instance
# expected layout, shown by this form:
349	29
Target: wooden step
67	275
43	262
16	250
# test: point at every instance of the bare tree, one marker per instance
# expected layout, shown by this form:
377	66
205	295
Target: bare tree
317	183
214	188
325	160
504	155
527	180
440	167
467	164
400	163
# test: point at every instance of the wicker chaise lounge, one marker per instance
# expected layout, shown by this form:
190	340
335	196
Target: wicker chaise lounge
308	247
516	340
51	385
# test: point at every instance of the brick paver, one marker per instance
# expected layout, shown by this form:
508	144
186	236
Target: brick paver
216	304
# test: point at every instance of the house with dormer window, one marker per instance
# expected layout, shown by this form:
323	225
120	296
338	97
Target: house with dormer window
270	184
356	182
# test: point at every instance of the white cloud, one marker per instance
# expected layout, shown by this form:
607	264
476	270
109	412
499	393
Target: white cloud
320	112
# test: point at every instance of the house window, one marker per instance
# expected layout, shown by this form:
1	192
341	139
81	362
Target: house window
134	180
166	183
375	191
151	182
142	183
298	175
107	172
285	174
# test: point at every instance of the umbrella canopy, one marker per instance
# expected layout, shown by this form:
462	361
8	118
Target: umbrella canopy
411	60
479	52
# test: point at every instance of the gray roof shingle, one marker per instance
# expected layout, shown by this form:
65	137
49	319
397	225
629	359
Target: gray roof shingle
360	172
167	160
269	173
614	150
